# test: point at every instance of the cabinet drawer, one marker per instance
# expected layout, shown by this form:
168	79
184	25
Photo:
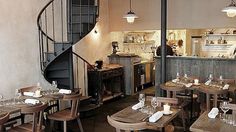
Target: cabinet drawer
112	73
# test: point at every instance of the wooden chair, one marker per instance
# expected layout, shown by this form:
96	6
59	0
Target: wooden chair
127	127
28	89
67	114
36	124
3	120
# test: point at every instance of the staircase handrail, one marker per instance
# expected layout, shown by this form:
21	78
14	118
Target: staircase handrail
90	65
38	20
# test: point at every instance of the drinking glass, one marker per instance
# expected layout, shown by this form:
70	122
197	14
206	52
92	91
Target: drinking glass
224	107
221	79
17	95
142	99
154	103
177	75
210	77
54	84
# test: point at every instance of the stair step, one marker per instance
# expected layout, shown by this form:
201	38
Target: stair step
59	47
49	56
58	74
88	107
57	69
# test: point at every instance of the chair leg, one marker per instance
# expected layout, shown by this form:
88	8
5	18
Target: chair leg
183	120
65	128
51	125
80	125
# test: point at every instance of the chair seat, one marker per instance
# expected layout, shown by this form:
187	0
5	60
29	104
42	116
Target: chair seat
27	127
63	115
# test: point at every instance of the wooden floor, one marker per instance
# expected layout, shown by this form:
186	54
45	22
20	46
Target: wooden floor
98	122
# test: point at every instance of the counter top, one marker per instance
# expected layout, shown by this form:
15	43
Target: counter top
197	58
143	62
123	55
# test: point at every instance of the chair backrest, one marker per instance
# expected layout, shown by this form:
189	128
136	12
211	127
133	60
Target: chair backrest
229	81
37	111
163	100
126	126
28	89
3	120
74	98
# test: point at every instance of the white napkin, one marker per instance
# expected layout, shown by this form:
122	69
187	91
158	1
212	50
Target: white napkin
29	94
213	113
175	80
156	116
65	91
208	82
188	85
31	101
226	86
137	106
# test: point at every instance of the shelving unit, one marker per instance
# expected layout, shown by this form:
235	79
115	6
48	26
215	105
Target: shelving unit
138	38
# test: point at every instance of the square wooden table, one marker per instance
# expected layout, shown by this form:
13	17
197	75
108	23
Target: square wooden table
135	116
206	124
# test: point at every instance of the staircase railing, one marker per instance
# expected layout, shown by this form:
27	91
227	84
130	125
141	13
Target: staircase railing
55	26
58	28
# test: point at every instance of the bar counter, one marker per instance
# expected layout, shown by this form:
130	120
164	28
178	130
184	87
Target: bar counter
197	67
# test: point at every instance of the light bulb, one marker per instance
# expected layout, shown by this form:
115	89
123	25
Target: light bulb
231	13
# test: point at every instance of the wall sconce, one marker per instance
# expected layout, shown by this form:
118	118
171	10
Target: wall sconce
230	9
130	16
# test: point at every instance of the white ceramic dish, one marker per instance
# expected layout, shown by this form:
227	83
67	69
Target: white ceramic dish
167	113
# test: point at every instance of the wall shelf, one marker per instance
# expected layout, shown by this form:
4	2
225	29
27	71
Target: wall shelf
145	42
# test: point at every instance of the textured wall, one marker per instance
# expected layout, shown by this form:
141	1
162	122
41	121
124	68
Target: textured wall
181	14
19	59
95	46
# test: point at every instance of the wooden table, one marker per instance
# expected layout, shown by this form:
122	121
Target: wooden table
135	116
206	124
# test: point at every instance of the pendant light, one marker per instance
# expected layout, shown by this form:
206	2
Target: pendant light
231	9
130	16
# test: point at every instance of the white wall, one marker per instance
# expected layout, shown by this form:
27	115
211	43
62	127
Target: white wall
19	59
95	46
190	14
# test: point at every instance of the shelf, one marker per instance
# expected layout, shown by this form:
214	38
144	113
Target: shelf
141	32
220	35
145	42
218	44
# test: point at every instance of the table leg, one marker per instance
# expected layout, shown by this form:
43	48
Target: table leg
208	101
191	106
168	94
215	100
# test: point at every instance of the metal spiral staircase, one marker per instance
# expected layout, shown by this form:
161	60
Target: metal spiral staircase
61	24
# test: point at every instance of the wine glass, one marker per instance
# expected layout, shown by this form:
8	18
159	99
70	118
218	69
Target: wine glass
221	79
154	103
210	77
224	107
54	84
17	95
177	75
142	99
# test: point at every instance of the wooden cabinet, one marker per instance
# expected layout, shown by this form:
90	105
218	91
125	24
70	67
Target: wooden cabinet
106	83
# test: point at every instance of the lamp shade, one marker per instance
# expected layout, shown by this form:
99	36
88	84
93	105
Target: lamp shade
130	16
230	10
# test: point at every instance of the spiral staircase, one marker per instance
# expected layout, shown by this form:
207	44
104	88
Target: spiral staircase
61	24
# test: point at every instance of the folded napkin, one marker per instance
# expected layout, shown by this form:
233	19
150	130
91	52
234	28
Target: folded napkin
137	106
175	80
208	82
226	86
213	113
65	91
188	85
28	93
156	116
31	101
